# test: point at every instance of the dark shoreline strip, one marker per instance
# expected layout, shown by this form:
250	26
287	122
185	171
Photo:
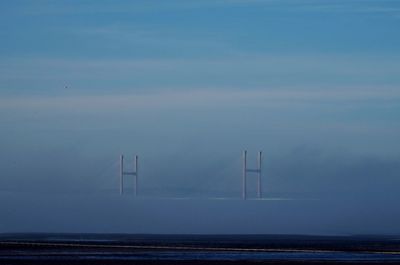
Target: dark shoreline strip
181	248
183	262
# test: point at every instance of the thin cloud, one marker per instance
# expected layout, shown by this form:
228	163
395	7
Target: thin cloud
202	98
138	36
239	65
353	6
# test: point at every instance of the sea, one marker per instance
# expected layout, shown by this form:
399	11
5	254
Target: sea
196	249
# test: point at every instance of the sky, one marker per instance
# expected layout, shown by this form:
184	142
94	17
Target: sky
187	85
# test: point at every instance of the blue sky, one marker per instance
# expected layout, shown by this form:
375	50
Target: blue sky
141	46
84	81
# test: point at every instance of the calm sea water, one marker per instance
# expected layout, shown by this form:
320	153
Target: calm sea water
187	248
202	255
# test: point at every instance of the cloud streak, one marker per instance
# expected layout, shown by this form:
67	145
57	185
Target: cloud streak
353	6
242	70
200	98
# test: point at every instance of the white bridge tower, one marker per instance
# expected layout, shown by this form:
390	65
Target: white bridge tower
133	173
247	170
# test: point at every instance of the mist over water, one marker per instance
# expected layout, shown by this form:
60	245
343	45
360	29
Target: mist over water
61	175
306	191
114	214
